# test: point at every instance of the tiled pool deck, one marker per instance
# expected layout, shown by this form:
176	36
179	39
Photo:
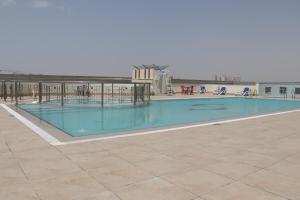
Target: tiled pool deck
254	159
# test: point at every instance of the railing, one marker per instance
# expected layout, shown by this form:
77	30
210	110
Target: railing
70	93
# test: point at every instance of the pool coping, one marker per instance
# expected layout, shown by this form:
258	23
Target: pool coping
55	136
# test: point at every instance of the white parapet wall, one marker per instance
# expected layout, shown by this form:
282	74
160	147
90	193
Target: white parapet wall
210	88
231	89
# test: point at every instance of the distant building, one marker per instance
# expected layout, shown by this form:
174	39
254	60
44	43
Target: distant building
228	78
158	76
279	89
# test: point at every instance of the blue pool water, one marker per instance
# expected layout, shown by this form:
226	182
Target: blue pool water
82	120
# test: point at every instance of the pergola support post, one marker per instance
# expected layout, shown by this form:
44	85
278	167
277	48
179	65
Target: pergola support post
112	91
134	94
62	93
102	94
4	91
16	92
40	92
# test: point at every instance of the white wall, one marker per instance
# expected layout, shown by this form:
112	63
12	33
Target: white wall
231	89
275	88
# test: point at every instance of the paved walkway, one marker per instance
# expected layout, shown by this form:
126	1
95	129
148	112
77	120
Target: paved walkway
255	159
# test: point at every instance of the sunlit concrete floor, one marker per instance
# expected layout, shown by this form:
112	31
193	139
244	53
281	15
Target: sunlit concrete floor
254	159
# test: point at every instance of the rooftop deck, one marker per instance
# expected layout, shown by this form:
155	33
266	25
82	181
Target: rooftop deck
253	159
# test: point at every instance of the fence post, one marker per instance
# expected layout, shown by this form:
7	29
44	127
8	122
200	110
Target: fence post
19	90
4	91
11	92
16	92
88	90
149	92
112	91
102	94
40	92
62	93
134	94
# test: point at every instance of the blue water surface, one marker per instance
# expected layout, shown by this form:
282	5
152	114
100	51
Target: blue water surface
84	120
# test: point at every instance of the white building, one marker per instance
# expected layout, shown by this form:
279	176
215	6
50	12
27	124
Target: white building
158	76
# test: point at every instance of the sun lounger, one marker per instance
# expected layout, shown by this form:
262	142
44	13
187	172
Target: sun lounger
202	90
246	91
220	91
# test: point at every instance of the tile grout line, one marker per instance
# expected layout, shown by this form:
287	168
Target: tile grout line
23	171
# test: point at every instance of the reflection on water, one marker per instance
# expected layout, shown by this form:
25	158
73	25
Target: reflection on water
80	121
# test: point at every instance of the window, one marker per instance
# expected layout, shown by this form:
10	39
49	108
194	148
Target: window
268	90
139	74
297	90
135	73
282	90
145	73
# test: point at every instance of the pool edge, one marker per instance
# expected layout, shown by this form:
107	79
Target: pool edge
55	142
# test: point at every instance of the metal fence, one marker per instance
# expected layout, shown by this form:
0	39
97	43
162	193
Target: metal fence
74	93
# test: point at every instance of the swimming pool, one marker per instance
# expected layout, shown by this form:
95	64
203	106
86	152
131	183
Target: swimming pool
84	120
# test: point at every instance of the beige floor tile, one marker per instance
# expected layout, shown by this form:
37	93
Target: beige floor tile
252	158
199	158
88	147
105	196
119	178
220	149
26	144
40	154
7	160
164	165
198	181
18	192
295	158
135	153
286	168
239	191
232	170
116	143
103	160
74	186
3	147
41	170
151	189
275	149
178	150
12	175
272	182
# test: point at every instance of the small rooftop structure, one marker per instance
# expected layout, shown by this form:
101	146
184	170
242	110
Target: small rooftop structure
157	75
153	66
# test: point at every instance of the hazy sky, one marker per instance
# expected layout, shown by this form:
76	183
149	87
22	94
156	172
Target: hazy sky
256	39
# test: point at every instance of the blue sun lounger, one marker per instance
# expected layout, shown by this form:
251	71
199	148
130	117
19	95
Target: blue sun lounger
220	91
202	90
246	91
